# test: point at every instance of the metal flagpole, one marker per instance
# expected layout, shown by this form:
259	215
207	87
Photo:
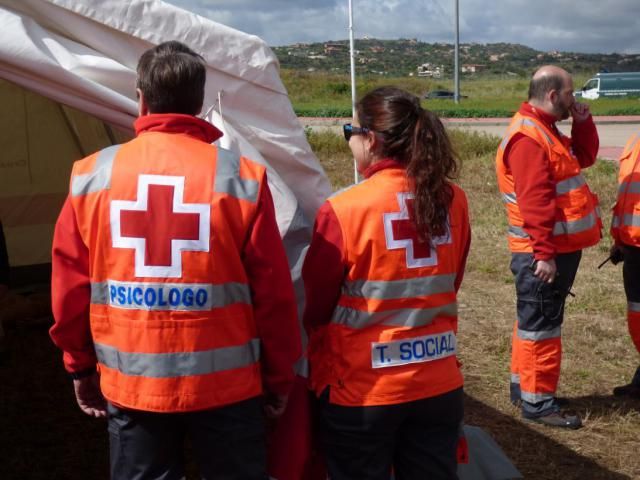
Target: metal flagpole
353	80
456	95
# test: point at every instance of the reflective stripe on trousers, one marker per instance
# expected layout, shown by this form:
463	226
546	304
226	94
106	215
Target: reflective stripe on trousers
540	335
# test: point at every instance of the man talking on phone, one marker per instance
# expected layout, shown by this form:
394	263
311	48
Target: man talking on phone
552	216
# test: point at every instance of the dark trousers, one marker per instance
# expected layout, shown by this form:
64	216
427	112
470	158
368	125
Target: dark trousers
228	443
540	310
631	273
418	439
631	277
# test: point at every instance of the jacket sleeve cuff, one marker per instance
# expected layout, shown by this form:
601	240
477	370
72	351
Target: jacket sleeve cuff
80	374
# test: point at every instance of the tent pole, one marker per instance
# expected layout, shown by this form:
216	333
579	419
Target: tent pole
353	81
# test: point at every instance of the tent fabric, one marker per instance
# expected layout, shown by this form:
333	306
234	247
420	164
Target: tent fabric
40	139
83	54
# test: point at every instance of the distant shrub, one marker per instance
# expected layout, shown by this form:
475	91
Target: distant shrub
468	144
328	111
339	88
463	112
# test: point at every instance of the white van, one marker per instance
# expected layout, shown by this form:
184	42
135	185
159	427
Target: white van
611	85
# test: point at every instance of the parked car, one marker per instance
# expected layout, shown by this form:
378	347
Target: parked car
440	94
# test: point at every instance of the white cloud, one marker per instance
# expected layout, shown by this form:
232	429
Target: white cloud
582	26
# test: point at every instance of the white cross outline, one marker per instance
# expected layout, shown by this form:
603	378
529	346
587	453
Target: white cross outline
177	245
407	244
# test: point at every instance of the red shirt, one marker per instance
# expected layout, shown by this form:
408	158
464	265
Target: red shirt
534	185
264	259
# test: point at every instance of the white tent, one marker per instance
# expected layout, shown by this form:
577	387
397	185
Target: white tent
64	59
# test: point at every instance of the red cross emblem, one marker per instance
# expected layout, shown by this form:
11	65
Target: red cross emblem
159	226
400	232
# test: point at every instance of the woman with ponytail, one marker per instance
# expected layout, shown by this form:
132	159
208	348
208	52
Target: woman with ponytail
381	277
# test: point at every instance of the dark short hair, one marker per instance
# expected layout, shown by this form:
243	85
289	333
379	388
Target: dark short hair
539	87
171	77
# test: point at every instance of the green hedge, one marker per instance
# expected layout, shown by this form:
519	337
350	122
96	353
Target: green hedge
455	112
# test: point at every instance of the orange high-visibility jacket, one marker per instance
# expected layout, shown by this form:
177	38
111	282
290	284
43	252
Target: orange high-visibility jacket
625	223
577	219
392	338
164	218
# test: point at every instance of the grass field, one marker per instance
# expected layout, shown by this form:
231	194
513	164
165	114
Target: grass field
598	353
329	95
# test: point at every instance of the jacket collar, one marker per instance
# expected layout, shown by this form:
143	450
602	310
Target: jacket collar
177	123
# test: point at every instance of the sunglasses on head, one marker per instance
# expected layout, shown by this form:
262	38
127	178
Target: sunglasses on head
349	131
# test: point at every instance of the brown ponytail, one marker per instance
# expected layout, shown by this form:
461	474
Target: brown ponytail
416	138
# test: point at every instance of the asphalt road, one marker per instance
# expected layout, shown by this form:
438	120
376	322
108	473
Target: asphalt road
614	131
613	135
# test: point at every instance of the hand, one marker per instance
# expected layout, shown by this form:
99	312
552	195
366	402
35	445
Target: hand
546	270
580	112
89	396
275	405
616	254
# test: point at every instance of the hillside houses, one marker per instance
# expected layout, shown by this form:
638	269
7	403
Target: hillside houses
472	68
429	70
409	57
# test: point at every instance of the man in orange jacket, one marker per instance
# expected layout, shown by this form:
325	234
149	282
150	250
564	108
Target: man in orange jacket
171	290
552	216
625	230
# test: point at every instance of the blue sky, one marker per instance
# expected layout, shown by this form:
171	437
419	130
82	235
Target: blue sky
567	25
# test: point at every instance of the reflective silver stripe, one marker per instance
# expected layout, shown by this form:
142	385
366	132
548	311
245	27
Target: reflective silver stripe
631	147
536	397
518	232
571	183
633	306
562	187
633	187
515	378
168	296
526	122
575	226
630	220
301	367
409	288
509	198
530	123
406	317
228	177
180	364
538	336
99	178
615	221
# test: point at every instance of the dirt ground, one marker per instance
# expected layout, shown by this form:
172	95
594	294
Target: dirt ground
44	434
